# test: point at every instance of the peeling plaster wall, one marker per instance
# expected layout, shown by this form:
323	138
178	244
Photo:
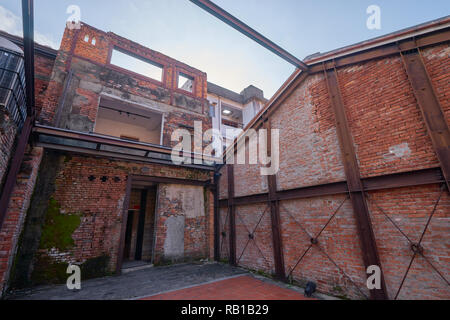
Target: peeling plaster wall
182	222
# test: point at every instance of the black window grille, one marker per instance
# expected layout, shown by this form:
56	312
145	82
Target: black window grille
12	85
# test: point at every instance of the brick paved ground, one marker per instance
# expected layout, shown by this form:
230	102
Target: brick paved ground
135	284
239	288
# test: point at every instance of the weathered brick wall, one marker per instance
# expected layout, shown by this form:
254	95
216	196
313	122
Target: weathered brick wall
389	136
256	253
17	209
94	190
309	148
303	219
94	76
43	67
384	118
182	223
410	209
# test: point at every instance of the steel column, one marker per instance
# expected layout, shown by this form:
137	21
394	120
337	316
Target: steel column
277	241
430	108
354	183
216	216
231	214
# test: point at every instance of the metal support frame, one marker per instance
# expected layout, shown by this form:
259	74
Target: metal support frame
216	216
430	108
240	26
355	186
416	247
391	181
277	241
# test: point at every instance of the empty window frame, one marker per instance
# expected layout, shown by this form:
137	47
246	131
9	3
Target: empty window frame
185	82
137	65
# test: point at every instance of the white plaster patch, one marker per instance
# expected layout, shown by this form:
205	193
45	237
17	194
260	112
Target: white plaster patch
174	242
399	151
354	68
190	197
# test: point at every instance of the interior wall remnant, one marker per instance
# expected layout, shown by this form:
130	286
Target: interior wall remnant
181	223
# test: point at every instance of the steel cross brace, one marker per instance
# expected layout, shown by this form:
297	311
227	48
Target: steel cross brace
314	243
251	236
415	247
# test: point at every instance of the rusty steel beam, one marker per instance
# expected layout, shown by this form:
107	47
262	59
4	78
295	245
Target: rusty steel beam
386	182
28	50
354	183
181	181
232	215
277	241
430	108
382	51
240	26
404	179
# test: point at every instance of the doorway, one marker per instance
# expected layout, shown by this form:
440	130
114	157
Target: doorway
140	228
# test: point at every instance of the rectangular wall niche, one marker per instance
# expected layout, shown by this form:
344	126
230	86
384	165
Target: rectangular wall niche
128	122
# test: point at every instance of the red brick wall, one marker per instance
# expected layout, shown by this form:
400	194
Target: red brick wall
258	255
410	209
305	218
437	62
384	116
43	70
94	74
17	209
309	146
389	137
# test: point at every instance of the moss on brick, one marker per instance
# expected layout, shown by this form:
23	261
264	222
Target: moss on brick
58	228
49	271
95	267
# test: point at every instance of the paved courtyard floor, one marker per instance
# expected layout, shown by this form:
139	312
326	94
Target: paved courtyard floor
209	281
243	287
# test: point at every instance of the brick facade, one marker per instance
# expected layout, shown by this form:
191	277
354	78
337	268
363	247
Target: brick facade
93	76
89	192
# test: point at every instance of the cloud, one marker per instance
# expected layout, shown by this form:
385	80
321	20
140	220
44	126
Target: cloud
11	23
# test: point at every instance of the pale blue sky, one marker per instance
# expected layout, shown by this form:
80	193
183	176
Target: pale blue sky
183	31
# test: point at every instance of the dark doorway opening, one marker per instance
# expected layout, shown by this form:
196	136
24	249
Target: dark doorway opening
140	228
